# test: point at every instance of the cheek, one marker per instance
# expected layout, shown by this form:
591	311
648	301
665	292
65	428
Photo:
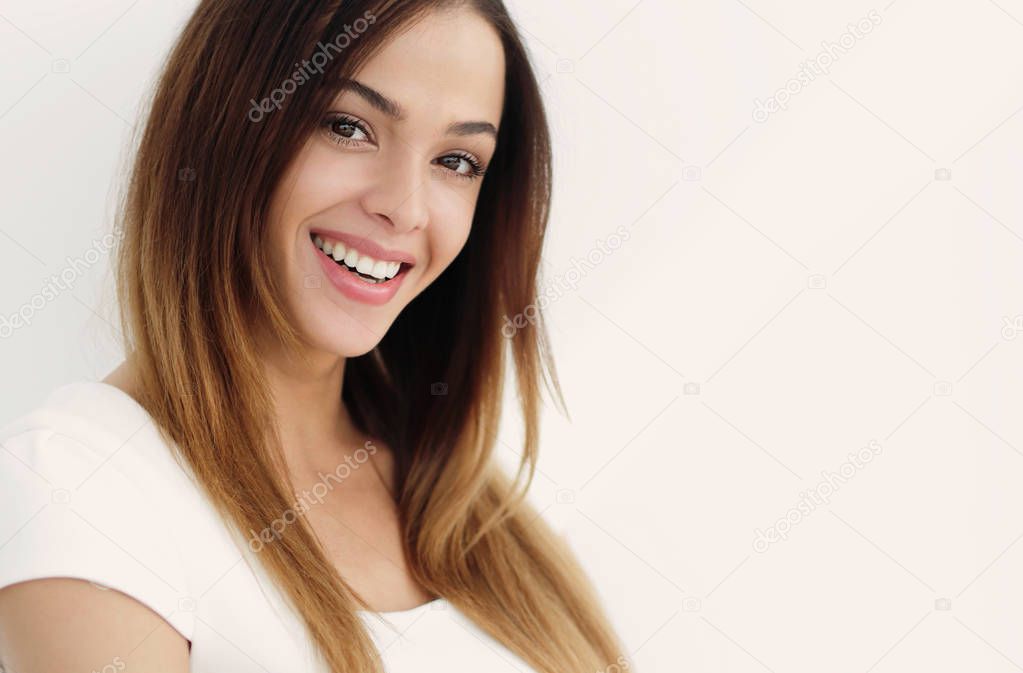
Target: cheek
450	235
306	188
286	255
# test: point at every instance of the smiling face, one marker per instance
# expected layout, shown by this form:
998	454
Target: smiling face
380	199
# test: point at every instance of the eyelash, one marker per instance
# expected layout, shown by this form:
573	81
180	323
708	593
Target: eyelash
477	169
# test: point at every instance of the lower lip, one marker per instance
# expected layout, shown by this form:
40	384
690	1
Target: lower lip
375	294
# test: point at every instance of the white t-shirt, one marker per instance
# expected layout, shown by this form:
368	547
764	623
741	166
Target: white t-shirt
88	489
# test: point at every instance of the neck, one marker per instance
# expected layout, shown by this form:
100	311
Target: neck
314	424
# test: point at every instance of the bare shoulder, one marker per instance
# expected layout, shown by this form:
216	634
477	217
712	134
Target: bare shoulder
70	624
122	377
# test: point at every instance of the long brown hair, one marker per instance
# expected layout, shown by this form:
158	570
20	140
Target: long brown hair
191	282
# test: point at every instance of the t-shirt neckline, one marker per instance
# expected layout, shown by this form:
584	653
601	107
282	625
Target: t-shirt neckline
112	390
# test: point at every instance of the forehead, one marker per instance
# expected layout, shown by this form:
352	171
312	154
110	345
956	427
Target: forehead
448	63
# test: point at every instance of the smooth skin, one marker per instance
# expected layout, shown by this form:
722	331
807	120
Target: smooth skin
402	185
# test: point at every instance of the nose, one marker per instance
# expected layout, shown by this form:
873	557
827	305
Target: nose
400	191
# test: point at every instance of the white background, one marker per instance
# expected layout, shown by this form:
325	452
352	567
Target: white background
847	271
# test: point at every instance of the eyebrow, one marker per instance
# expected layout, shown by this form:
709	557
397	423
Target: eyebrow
394	111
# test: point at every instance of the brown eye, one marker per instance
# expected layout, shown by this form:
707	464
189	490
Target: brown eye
346	130
462	165
457	164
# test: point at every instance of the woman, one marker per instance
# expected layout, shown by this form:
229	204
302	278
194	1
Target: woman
312	279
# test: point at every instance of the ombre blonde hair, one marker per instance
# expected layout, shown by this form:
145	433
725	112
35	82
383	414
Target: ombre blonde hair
200	186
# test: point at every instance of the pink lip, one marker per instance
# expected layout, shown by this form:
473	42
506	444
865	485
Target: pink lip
375	294
366	246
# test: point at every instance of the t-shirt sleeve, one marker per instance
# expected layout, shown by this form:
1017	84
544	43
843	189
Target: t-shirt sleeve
68	508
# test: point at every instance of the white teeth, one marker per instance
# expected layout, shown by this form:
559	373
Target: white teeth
351	258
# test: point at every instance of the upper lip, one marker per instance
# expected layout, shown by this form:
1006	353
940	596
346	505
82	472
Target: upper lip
366	246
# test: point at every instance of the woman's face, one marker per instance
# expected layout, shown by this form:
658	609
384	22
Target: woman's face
387	185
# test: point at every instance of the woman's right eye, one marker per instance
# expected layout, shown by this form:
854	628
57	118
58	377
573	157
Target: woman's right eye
345	130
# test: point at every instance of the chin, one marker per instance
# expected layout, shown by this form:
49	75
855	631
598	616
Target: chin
345	335
331	323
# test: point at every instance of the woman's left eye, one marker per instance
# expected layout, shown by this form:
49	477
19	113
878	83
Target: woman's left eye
463	165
